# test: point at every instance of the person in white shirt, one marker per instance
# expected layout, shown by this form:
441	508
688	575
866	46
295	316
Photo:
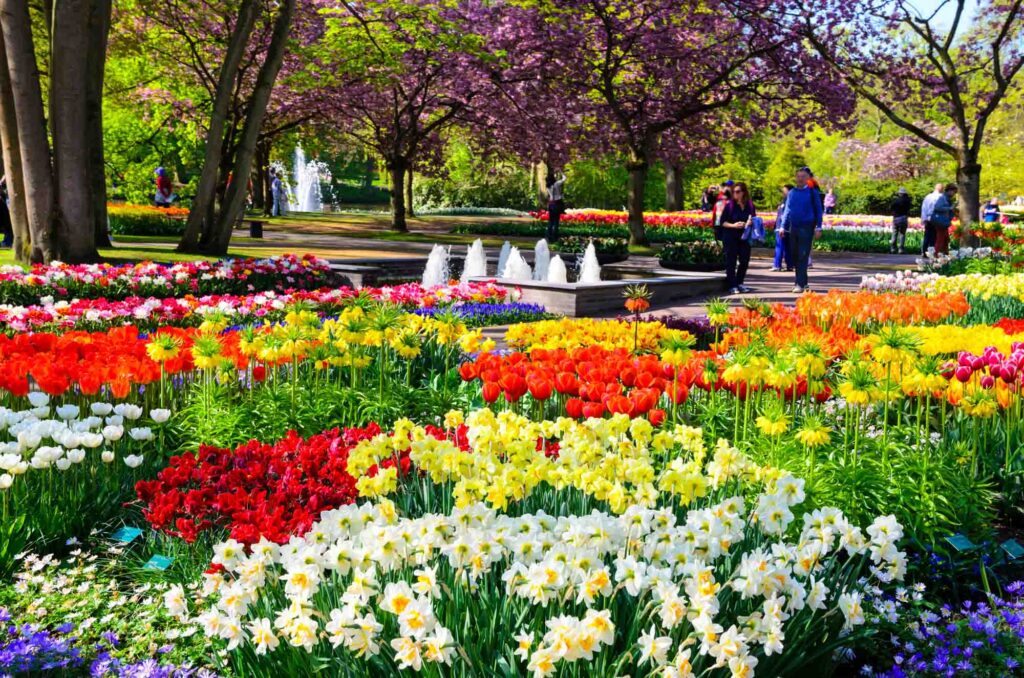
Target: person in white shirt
556	204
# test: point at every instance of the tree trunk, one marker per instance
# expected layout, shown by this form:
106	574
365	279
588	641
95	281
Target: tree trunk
540	176
673	188
396	170
234	199
37	174
259	178
635	201
207	186
22	245
968	182
410	210
99	31
76	235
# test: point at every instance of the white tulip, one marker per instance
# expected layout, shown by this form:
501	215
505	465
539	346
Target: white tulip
67	412
38	398
128	411
133	460
19	468
107	456
9	461
63	464
115	420
29	439
101	409
76	456
141	433
113	433
159	416
6	480
40	412
92	422
91	440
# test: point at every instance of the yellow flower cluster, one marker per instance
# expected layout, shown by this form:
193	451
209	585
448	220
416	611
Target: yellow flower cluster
983	285
951	339
570	333
619	460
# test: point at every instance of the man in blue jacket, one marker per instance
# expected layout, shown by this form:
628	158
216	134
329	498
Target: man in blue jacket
801	220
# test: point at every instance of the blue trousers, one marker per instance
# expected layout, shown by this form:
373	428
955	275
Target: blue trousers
800	241
782	251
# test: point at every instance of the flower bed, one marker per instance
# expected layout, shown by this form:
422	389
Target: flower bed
478	303
146	220
94	281
700	255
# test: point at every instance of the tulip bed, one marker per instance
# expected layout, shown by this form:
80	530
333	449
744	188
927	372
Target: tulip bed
366	484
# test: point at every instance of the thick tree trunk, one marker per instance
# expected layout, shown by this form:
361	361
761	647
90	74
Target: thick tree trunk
673	188
635	201
968	182
396	170
259	178
410	209
205	191
234	199
99	31
37	174
76	235
22	245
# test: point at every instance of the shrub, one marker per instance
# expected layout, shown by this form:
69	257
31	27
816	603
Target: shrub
146	220
699	252
578	245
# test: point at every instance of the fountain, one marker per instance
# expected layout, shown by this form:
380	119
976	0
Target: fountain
436	272
516	267
590	270
503	258
541	260
556	271
475	265
307	196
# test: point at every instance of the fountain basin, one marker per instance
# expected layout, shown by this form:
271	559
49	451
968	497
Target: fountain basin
578	300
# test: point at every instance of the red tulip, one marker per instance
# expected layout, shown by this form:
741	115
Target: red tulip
574	408
567	383
490	391
656	417
540	388
593	410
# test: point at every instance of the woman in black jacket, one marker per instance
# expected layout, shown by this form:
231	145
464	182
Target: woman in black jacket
737	217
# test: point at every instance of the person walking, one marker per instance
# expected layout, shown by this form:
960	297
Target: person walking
556	205
276	195
164	190
900	220
990	213
933	208
802	221
782	253
736	226
830	202
5	216
942	216
723	197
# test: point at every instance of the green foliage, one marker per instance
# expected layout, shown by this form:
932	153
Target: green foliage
577	245
700	252
467	180
126	222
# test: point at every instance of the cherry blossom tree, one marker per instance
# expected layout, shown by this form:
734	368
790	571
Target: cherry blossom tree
685	70
922	67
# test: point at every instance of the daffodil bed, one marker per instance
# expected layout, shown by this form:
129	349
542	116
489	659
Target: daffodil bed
373	491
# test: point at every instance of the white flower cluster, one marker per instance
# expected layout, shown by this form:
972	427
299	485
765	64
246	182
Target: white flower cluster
69	435
901	281
377	565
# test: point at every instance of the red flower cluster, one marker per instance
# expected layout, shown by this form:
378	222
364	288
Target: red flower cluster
258	490
87	359
588	381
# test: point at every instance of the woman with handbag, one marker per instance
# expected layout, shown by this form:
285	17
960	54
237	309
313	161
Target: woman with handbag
736	226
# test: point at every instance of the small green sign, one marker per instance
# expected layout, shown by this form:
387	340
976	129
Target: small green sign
126	534
158	563
961	543
1012	549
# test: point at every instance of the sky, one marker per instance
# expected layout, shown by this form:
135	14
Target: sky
948	11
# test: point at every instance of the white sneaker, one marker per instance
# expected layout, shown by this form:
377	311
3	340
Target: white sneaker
775	269
744	288
734	290
798	290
